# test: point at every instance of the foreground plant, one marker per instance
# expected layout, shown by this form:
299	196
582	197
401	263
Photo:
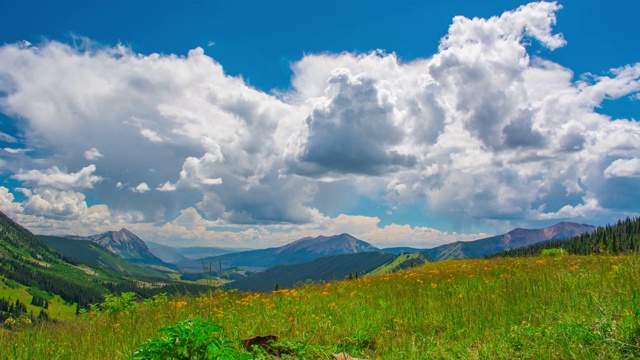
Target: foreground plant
190	339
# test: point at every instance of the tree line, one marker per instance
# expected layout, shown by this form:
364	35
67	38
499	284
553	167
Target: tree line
18	310
621	238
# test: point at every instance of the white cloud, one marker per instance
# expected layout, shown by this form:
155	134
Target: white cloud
59	179
196	172
151	135
16	151
479	132
7	203
623	168
582	211
56	204
92	154
141	188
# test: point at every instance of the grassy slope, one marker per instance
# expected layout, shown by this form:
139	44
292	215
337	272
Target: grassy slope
58	309
531	308
402	261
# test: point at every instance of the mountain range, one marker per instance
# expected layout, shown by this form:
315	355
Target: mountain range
300	251
308	249
115	257
513	239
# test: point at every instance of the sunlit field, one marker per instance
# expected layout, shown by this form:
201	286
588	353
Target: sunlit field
582	307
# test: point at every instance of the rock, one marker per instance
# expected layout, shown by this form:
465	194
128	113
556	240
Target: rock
261	341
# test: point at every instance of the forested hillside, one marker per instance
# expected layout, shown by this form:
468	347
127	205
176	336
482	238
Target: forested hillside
95	255
326	268
623	237
28	261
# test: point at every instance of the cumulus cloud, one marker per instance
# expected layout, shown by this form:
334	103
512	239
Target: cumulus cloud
351	131
196	172
584	210
7	203
56	204
150	135
623	168
479	132
93	154
60	179
141	188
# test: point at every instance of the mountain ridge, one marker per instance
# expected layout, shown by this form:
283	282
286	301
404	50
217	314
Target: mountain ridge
129	246
310	248
300	251
516	238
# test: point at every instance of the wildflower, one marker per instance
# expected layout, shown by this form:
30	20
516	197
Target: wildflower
290	318
9	322
325	293
332	304
115	326
434	285
614	267
178	304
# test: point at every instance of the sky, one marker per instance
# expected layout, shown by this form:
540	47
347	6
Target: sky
256	123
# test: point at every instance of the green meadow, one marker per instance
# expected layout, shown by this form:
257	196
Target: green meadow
544	307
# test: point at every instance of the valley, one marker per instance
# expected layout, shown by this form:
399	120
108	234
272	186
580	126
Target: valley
330	294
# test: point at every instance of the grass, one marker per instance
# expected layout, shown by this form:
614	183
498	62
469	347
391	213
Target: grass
392	266
531	308
58	308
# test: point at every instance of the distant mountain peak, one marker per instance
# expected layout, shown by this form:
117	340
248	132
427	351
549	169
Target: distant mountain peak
328	245
128	245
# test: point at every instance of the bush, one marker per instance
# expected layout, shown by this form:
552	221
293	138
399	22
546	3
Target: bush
125	303
190	339
552	252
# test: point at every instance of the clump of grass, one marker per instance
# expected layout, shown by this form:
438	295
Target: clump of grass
537	307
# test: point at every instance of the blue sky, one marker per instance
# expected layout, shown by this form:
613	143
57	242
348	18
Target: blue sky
255	123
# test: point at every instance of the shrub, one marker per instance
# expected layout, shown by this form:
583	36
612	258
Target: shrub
190	339
125	303
552	252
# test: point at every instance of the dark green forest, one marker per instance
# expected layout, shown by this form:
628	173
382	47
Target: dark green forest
621	238
26	259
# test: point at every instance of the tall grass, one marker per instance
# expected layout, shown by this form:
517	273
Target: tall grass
532	308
